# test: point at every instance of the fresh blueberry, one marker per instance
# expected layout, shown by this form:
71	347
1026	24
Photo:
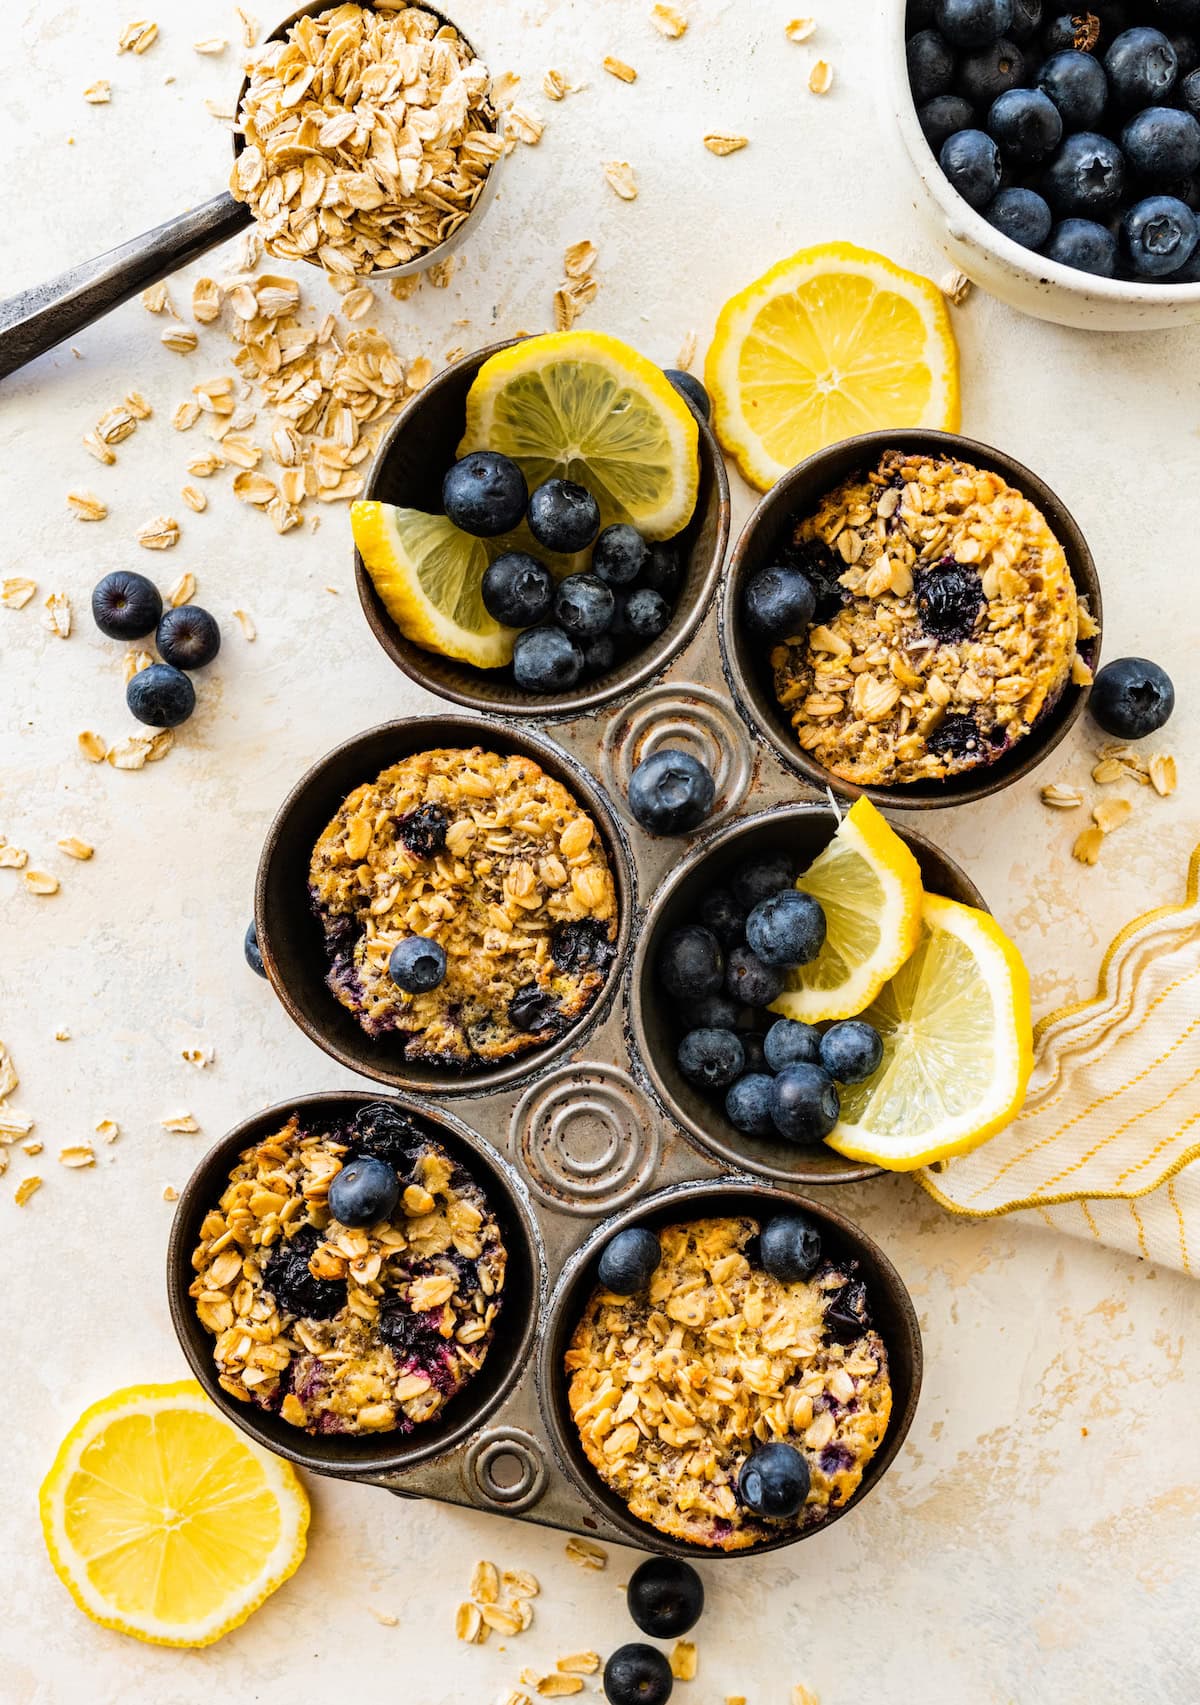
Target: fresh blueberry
942	116
364	1191
749	981
424	830
789	1247
599	655
417	964
950	599
692	389
563	516
804	1103
252	950
971	162
665	1598
583	606
956	737
1027	20
989	73
628	1260
663	569
1162	143
485	494
846	1312
757	878
161	696
533	1010
1028	126
773	1482
1142	68
1076	83
546	660
1158	235
780	603
188	637
671	792
790	1043
973	23
1189	93
1022	215
724	915
787	928
713	1012
517	590
619	554
691	963
748	1105
1131	698
1086	177
930	65
851	1051
1189	272
637	1675
711	1059
1071	30
381	1129
646	613
290	1280
126	605
1085	245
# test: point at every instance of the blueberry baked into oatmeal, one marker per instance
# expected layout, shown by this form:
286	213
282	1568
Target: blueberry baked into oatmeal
740	1391
365	1323
467	905
944	622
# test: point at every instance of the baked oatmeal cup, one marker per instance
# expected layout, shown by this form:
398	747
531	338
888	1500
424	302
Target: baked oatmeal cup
946	625
671	1391
339	1329
494	860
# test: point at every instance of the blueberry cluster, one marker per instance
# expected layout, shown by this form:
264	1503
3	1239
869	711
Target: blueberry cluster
126	605
574	629
1076	134
777	1077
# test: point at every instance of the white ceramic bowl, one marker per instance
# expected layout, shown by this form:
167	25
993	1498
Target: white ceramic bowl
1003	268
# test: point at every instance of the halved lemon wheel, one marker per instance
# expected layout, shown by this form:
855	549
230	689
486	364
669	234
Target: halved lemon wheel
957	1046
869	886
164	1522
586	407
831	342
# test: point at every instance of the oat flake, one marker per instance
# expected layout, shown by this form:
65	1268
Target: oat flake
620	176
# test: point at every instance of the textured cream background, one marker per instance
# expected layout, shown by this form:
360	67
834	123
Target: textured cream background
1037	1540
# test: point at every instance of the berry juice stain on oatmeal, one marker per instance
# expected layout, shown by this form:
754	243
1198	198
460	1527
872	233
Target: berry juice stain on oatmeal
946	624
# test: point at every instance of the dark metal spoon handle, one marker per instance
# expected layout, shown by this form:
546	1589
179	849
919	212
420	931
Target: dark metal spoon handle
46	314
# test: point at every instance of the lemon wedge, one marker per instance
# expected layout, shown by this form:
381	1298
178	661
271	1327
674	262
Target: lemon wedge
831	342
430	576
163	1522
869	886
957	1046
583	406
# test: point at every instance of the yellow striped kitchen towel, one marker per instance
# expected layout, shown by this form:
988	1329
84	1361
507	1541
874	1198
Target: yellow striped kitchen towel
1107	1145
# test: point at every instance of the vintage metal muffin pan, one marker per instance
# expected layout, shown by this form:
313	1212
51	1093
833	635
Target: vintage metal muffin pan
591	1132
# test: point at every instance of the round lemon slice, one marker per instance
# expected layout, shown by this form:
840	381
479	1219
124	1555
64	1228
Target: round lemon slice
430	578
869	886
163	1522
957	1046
832	342
583	406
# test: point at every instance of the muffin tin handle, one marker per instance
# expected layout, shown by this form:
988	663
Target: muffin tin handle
37	319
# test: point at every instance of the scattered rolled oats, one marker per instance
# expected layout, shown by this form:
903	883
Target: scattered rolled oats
502	1618
1087	845
182	339
799	29
137	37
206	300
1110	814
579	258
556	87
485	1579
820	78
249	26
1109	770
620	176
803	1696
41	882
86	506
26	1188
525	125
62	1034
618	68
170	1193
586	1553
218	109
96	447
156	300
683	1660
137	750
107	1130
182	1124
211	45
8	1075
246	621
194	498
668	21
469	1625
12	858
357	303
1060	797
116	424
56	616
384	1617
1163	774
160	533
82	1154
76	848
955	287
99	92
520	1583
579	1663
137	405
199	1057
724	142
185	415
13	1125
93	746
16	592
687	352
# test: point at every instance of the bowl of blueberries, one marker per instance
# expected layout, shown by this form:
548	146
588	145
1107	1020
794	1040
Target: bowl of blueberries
1059	151
600	610
757	1090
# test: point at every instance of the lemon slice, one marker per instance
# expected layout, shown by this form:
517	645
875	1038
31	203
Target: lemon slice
583	406
832	342
430	576
957	1046
869	886
163	1522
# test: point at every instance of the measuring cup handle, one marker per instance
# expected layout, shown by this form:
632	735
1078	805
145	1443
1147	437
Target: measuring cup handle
46	314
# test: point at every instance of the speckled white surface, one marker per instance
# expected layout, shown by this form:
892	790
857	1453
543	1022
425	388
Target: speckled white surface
1037	1539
